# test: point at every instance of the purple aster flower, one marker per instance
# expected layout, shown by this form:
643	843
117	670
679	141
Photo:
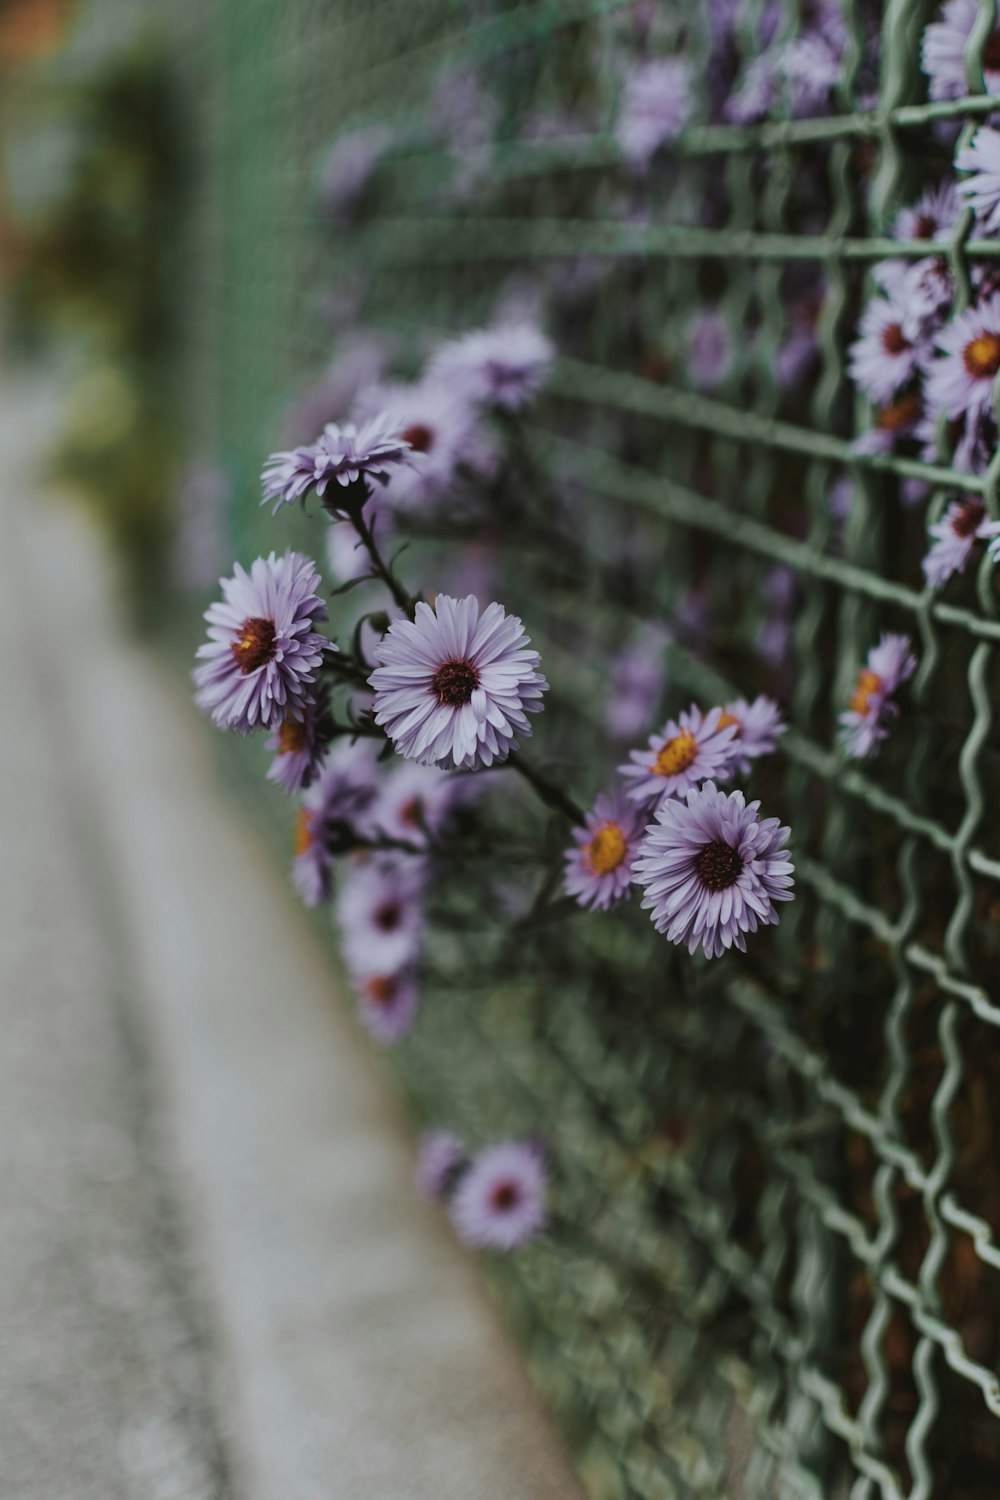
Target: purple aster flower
499	1201
656	104
963	524
981	191
889	664
440	424
263	652
932	217
599	866
380	914
349	167
810	67
757	91
758	726
712	870
942	55
710	349
300	743
893	423
637	680
387	1005
440	1162
690	750
504	366
962	380
414	801
882	359
334	808
340	455
454	689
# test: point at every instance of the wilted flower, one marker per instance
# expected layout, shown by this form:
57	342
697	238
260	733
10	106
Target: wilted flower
387	1004
712	870
981	191
758	725
961	381
505	366
656	105
380	915
340	455
882	359
889	664
452	688
599	866
440	1161
942	54
690	750
499	1201
963	524
263	652
300	743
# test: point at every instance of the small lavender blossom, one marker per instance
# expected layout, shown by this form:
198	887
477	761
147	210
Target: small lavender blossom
380	916
810	68
334	809
505	366
657	101
499	1201
263	652
441	1159
349	167
942	54
894	423
387	1005
453	688
414	802
758	725
300	744
690	750
882	359
889	665
340	455
963	524
981	191
710	349
932	217
442	426
599	866
712	870
961	380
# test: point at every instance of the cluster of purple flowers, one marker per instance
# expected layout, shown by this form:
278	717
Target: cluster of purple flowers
496	1198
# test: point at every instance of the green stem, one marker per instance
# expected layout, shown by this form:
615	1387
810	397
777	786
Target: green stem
552	795
379	566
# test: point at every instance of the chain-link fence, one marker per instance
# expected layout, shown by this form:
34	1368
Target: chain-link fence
772	1267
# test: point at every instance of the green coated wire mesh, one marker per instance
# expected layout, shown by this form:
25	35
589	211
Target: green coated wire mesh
773	1267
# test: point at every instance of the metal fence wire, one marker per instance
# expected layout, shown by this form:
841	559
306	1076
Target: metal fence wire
773	1266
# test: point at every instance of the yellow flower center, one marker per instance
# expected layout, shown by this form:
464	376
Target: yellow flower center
726	719
867	685
292	736
303	832
676	755
606	849
982	356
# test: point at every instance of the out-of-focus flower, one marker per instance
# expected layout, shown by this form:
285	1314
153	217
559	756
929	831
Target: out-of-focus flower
637	678
758	725
380	916
349	167
981	157
263	652
300	744
690	750
893	423
960	382
656	104
505	366
710	349
810	68
712	870
963	524
756	93
499	1201
932	217
889	665
599	866
440	1162
882	359
440	424
414	801
942	53
453	688
334	808
387	1005
340	455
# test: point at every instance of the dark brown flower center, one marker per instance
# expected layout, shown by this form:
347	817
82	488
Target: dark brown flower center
292	736
982	356
893	339
303	832
454	683
420	437
718	866
382	989
412	812
387	916
925	227
505	1196
254	646
966	520
900	414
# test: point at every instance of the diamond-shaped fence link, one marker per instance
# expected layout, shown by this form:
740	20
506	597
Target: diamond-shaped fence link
773	1266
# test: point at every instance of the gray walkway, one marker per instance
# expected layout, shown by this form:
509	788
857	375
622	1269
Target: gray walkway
214	1278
